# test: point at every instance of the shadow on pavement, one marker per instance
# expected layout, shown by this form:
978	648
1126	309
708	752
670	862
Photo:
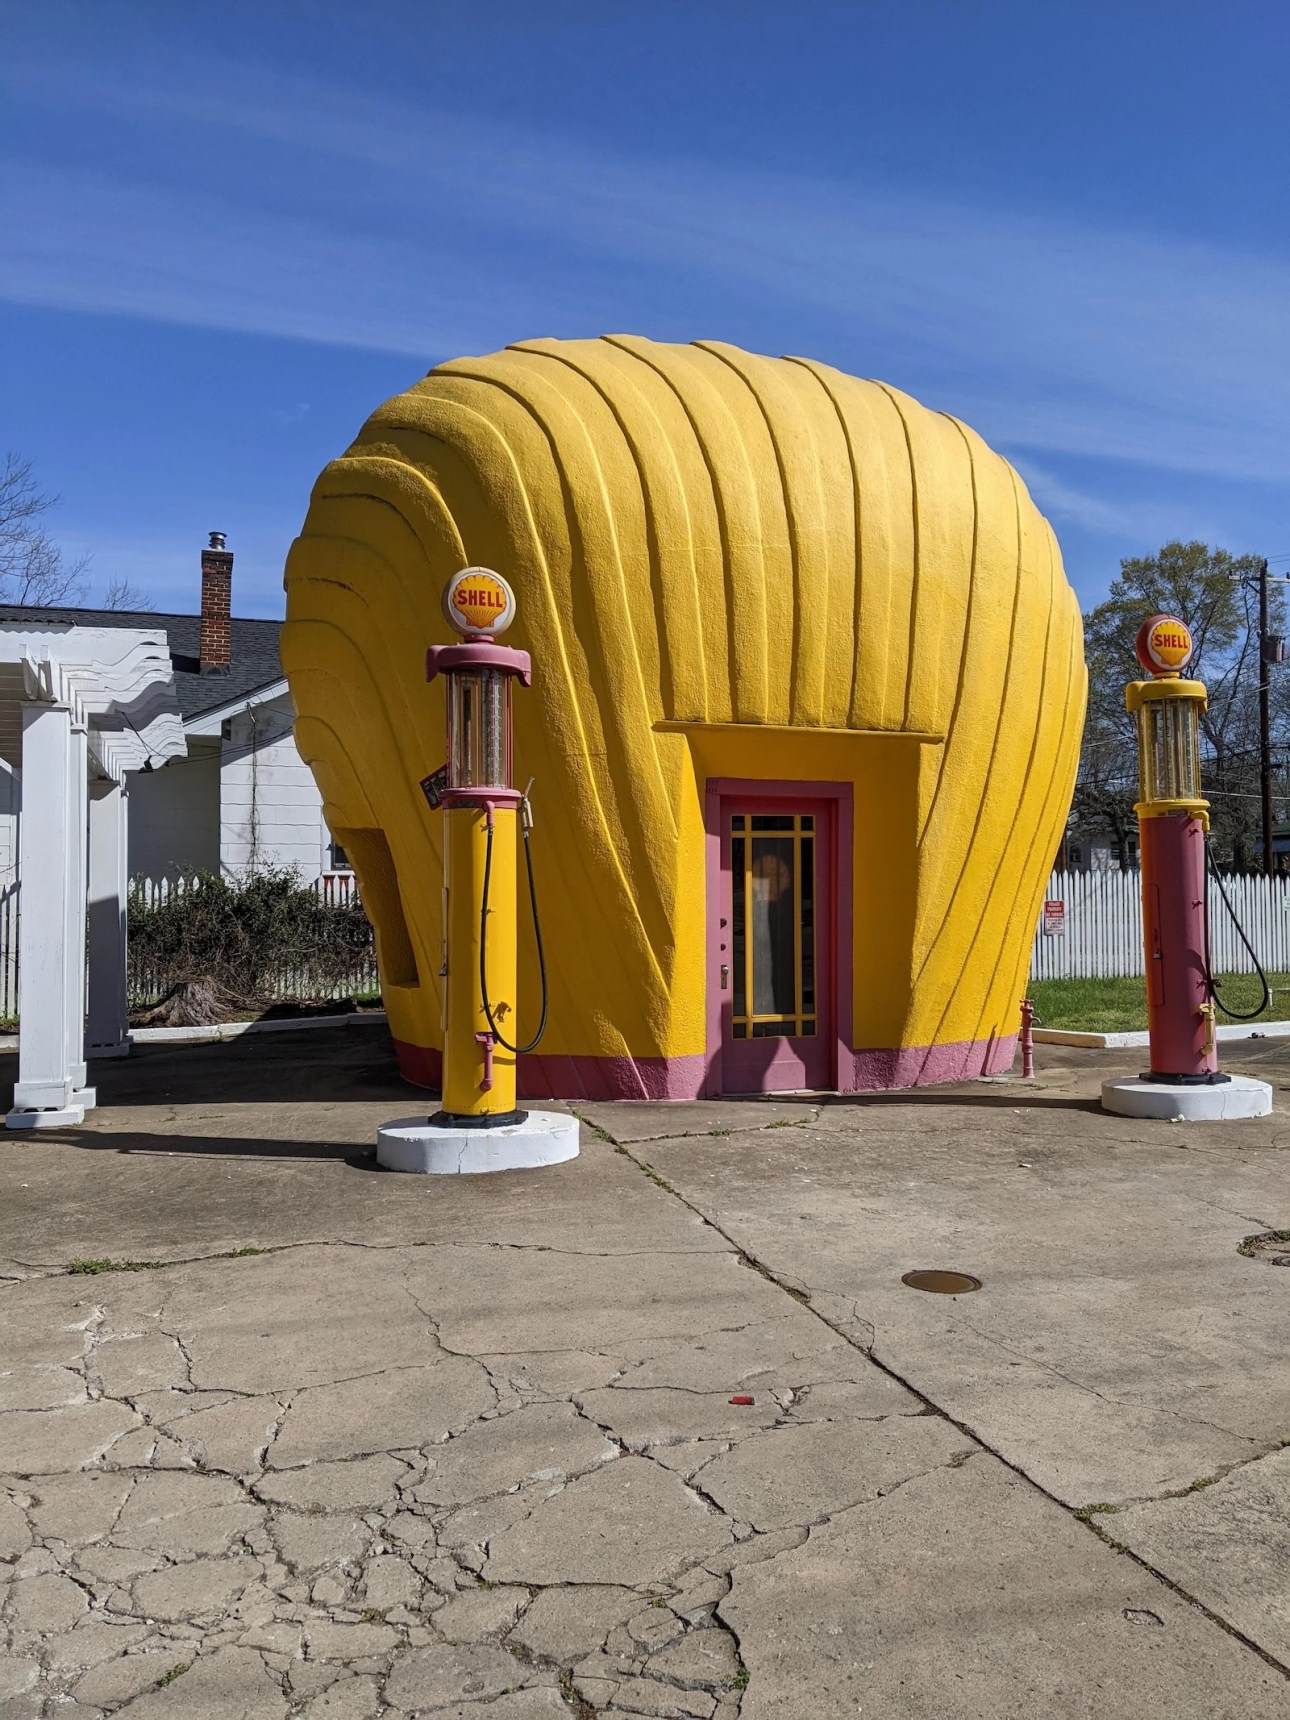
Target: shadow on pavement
128	1142
1022	1100
325	1065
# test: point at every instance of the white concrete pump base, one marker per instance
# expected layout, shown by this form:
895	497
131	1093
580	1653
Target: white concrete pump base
1241	1096
416	1144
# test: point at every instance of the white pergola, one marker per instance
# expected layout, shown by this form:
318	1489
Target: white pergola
80	708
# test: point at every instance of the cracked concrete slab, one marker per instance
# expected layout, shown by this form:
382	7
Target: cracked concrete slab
608	1304
633	1121
363	1483
433	1677
181	1514
231	1435
1227	1543
231	1681
792	1353
129	1675
49	1442
965	1593
540	1442
644	1417
803	1474
629	1522
472	1451
565	1625
401	1407
1120	1345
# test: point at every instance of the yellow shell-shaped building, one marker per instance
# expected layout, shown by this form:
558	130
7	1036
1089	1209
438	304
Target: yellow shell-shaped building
808	688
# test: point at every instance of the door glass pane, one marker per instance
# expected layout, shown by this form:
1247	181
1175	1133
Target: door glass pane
774	927
772	930
737	924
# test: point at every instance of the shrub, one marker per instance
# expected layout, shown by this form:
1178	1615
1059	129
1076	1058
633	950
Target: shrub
246	941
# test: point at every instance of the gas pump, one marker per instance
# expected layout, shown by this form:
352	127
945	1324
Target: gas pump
479	1126
1183	1081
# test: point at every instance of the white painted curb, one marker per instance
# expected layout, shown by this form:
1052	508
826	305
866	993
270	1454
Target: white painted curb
1136	1040
232	1029
431	1149
235	1029
1241	1096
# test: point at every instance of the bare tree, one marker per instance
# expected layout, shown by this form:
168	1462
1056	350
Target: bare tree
122	594
33	569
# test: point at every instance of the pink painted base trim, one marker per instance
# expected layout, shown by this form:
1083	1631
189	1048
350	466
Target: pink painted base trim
927	1065
562	1077
612	1077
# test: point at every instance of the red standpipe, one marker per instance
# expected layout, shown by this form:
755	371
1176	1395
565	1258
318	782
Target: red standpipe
1173	935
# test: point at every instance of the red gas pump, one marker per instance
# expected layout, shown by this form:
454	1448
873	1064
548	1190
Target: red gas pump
1173	821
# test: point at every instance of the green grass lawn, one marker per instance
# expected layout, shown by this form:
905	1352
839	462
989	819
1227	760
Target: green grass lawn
1120	1005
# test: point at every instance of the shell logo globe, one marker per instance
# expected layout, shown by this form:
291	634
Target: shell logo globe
478	602
1164	645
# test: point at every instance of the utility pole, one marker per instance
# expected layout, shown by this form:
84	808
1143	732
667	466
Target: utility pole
1265	721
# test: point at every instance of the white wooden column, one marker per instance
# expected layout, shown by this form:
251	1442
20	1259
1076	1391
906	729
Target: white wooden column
78	823
109	1027
50	1091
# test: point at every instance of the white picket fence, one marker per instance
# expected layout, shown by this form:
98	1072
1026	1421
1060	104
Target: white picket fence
1101	935
336	889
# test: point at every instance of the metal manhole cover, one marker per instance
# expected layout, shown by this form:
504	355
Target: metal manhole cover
942	1283
1270	1246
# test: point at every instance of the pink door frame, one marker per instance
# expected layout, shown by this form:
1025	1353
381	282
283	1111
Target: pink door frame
839	923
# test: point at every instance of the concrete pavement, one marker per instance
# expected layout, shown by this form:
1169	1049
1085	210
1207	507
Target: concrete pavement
468	1447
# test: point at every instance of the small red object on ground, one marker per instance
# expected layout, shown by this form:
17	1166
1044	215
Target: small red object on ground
742	1400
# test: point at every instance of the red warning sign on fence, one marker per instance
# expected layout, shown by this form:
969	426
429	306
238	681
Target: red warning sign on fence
1054	919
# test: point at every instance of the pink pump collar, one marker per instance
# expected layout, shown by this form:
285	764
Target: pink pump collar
479	654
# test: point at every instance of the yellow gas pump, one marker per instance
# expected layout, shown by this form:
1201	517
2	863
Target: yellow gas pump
480	1126
481	806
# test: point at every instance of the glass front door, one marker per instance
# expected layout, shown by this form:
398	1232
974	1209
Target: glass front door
776	927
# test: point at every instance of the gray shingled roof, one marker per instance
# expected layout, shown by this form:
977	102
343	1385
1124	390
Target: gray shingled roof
255	661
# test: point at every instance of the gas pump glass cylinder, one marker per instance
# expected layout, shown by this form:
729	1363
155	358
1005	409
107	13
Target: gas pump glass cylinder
479	729
1169	750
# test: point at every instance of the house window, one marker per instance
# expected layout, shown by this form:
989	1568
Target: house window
1076	854
339	858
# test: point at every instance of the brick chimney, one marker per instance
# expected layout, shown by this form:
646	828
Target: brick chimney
216	646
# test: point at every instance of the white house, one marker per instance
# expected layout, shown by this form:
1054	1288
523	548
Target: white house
242	793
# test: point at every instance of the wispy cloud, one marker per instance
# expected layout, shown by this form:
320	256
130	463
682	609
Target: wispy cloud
1148	521
286	416
426	234
79	241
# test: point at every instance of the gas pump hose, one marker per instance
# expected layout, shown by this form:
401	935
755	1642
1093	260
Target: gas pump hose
1211	984
526	825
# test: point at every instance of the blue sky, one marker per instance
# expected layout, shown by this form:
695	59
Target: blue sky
230	231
